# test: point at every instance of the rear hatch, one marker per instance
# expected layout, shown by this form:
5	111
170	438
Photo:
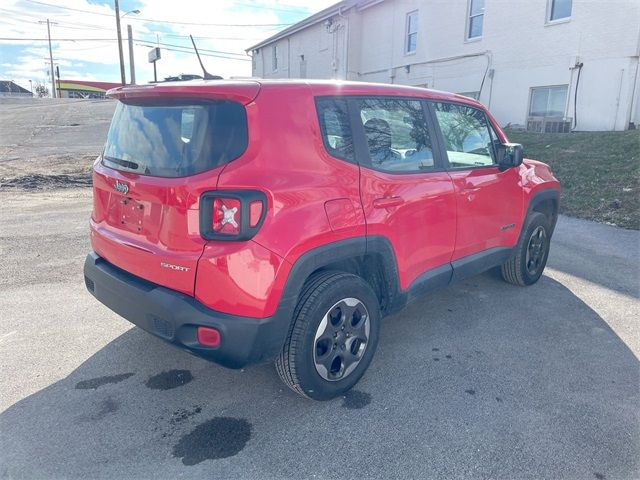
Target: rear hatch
167	144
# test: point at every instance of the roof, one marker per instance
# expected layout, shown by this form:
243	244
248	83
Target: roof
245	90
8	86
321	16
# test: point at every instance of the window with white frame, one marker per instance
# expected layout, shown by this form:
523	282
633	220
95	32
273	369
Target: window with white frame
548	101
476	19
559	10
411	42
274	58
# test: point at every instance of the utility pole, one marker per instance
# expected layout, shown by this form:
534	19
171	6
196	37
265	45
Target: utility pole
132	66
122	76
53	78
58	77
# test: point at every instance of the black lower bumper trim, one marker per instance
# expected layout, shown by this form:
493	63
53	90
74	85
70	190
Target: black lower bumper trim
174	316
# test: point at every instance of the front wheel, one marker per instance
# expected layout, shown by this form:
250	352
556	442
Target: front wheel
333	336
527	263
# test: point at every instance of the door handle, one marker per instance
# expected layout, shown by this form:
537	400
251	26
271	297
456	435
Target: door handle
387	202
470	193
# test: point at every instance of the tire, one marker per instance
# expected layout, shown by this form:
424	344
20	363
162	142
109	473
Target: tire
522	269
307	362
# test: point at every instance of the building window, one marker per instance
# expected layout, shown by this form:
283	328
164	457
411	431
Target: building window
559	10
476	19
412	32
548	101
474	95
274	58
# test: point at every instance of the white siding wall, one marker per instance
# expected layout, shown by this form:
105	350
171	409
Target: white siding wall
520	48
318	48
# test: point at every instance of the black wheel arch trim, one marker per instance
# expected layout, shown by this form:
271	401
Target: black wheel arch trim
537	199
350	248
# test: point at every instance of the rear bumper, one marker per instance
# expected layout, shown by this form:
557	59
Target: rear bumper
174	317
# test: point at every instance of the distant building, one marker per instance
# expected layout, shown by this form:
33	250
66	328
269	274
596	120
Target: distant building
9	88
84	89
549	65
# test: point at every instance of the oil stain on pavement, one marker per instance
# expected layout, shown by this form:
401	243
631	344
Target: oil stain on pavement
355	400
94	383
183	414
107	406
169	380
220	437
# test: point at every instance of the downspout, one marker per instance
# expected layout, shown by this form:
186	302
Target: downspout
345	44
568	102
575	96
392	71
634	97
492	73
288	57
615	118
262	57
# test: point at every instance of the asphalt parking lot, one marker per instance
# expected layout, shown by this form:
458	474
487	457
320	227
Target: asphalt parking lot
481	380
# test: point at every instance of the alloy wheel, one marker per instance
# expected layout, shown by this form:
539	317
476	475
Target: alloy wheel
341	339
536	250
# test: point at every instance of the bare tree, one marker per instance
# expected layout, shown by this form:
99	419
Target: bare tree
41	90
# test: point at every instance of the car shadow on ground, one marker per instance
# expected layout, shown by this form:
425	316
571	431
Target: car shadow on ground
479	380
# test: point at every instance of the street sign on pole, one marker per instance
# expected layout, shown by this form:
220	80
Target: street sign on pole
154	56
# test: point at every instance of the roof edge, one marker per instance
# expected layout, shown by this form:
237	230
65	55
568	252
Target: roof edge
307	22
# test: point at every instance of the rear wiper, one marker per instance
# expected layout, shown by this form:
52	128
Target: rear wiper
124	163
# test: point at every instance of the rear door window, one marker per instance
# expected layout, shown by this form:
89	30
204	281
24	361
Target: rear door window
396	134
175	139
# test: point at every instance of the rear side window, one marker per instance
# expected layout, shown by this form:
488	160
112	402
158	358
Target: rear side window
176	139
335	128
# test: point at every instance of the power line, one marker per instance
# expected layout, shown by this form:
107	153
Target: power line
275	9
193	53
144	43
115	40
165	21
58	39
86	26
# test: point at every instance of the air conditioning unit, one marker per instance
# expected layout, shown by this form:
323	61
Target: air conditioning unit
549	124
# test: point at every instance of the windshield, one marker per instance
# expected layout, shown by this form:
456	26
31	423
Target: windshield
177	139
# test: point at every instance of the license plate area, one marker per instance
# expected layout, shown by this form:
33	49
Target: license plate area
131	214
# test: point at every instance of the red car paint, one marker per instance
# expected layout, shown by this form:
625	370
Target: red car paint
313	199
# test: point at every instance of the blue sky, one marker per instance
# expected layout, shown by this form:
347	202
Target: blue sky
85	45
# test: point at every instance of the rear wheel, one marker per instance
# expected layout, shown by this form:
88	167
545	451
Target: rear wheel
333	336
526	265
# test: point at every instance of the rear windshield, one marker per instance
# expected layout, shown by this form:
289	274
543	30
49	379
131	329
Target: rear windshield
177	139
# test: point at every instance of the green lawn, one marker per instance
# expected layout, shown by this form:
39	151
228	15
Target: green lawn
599	172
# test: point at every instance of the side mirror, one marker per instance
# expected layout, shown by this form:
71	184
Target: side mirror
509	155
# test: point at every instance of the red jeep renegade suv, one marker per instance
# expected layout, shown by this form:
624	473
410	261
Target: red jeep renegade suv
246	221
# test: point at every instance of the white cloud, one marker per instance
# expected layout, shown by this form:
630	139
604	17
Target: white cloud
98	59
